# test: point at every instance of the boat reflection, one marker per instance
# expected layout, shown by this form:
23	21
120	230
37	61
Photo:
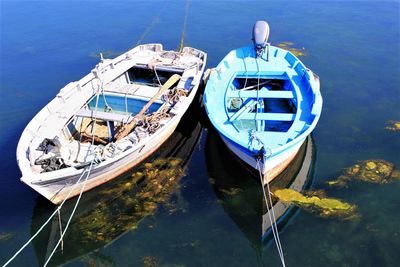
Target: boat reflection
240	194
108	212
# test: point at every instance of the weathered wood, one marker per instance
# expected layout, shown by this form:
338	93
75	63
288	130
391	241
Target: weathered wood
95	138
129	127
100	115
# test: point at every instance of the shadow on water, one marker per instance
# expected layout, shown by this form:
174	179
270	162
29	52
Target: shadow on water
109	211
240	194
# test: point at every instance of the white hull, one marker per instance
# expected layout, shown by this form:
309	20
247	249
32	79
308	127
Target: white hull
114	78
57	191
273	165
281	208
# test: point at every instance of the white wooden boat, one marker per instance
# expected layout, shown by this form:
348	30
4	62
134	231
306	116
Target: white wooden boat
96	121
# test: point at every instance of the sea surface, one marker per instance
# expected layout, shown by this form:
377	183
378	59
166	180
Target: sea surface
354	46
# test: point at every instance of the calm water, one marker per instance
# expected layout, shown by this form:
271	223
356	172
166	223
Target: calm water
354	46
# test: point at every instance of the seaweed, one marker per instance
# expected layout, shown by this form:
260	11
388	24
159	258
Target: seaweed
324	206
298	52
6	236
372	171
393	126
130	201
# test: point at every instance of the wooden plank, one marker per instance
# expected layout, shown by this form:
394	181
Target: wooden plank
106	116
266	116
242	110
263	93
129	127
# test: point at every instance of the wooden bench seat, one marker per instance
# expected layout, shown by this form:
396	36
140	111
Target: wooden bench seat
264	116
106	116
263	93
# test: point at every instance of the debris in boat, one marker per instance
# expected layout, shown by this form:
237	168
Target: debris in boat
372	171
6	236
132	200
150	261
130	126
393	126
298	52
49	145
326	207
51	164
50	159
151	123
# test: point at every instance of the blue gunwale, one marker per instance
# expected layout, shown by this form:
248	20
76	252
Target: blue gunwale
282	65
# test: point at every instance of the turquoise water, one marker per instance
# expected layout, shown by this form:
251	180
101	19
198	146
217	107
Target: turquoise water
352	45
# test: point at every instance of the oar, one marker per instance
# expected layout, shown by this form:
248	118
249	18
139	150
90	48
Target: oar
129	127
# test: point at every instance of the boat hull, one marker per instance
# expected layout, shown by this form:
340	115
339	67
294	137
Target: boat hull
57	191
281	209
56	120
273	165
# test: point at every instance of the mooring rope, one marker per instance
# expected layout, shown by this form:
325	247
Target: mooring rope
60	240
57	210
153	23
272	218
72	214
47	221
61	230
181	42
258	90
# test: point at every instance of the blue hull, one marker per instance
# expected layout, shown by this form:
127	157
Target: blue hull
266	104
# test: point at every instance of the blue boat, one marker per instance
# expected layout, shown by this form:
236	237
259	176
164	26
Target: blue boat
264	102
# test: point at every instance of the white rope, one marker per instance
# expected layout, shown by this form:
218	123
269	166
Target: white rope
158	79
72	214
153	23
185	16
48	220
247	74
62	203
61	230
84	184
272	218
126	99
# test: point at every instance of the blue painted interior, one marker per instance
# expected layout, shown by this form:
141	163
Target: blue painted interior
118	104
280	116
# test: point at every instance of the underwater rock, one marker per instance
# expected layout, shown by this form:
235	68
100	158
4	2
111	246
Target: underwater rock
372	171
6	236
96	259
326	207
298	52
393	126
150	261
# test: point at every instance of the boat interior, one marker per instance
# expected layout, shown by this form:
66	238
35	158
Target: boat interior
272	98
269	106
96	125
